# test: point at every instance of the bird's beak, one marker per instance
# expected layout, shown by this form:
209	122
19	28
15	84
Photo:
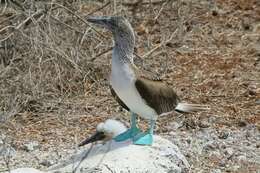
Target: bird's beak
98	136
101	20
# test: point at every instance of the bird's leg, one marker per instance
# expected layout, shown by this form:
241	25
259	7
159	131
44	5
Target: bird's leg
130	133
145	138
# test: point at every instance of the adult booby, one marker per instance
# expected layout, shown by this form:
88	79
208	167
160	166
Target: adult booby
105	131
143	96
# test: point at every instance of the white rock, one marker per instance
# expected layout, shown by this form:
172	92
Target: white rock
215	171
7	151
242	158
30	146
162	156
228	152
25	170
184	49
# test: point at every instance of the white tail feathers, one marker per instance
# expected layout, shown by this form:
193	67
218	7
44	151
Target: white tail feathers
186	107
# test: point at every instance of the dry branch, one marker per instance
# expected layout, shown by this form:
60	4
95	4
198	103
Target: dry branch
161	44
143	3
98	9
79	17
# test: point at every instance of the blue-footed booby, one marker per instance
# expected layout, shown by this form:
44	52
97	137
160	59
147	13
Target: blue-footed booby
137	93
105	131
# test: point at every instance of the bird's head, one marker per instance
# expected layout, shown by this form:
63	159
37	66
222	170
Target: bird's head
105	131
123	35
116	24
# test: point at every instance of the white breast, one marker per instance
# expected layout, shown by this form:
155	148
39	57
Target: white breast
123	82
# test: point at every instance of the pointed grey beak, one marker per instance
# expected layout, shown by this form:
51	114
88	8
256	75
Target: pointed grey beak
101	20
98	136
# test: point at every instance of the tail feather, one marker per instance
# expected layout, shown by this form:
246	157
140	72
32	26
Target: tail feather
186	107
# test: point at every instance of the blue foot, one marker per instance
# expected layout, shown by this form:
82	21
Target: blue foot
129	134
143	139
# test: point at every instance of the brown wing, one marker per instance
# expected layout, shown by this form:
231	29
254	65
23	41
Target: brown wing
117	98
157	95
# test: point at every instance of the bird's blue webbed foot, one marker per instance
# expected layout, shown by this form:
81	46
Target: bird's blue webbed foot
130	133
145	138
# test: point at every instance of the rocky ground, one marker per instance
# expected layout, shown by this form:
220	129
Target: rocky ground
207	149
228	149
54	88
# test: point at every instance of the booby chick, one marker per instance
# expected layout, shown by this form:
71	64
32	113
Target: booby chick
105	131
137	93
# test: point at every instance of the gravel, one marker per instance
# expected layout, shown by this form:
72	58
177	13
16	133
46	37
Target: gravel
225	149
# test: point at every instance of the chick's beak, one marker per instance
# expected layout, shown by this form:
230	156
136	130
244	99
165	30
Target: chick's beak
98	136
